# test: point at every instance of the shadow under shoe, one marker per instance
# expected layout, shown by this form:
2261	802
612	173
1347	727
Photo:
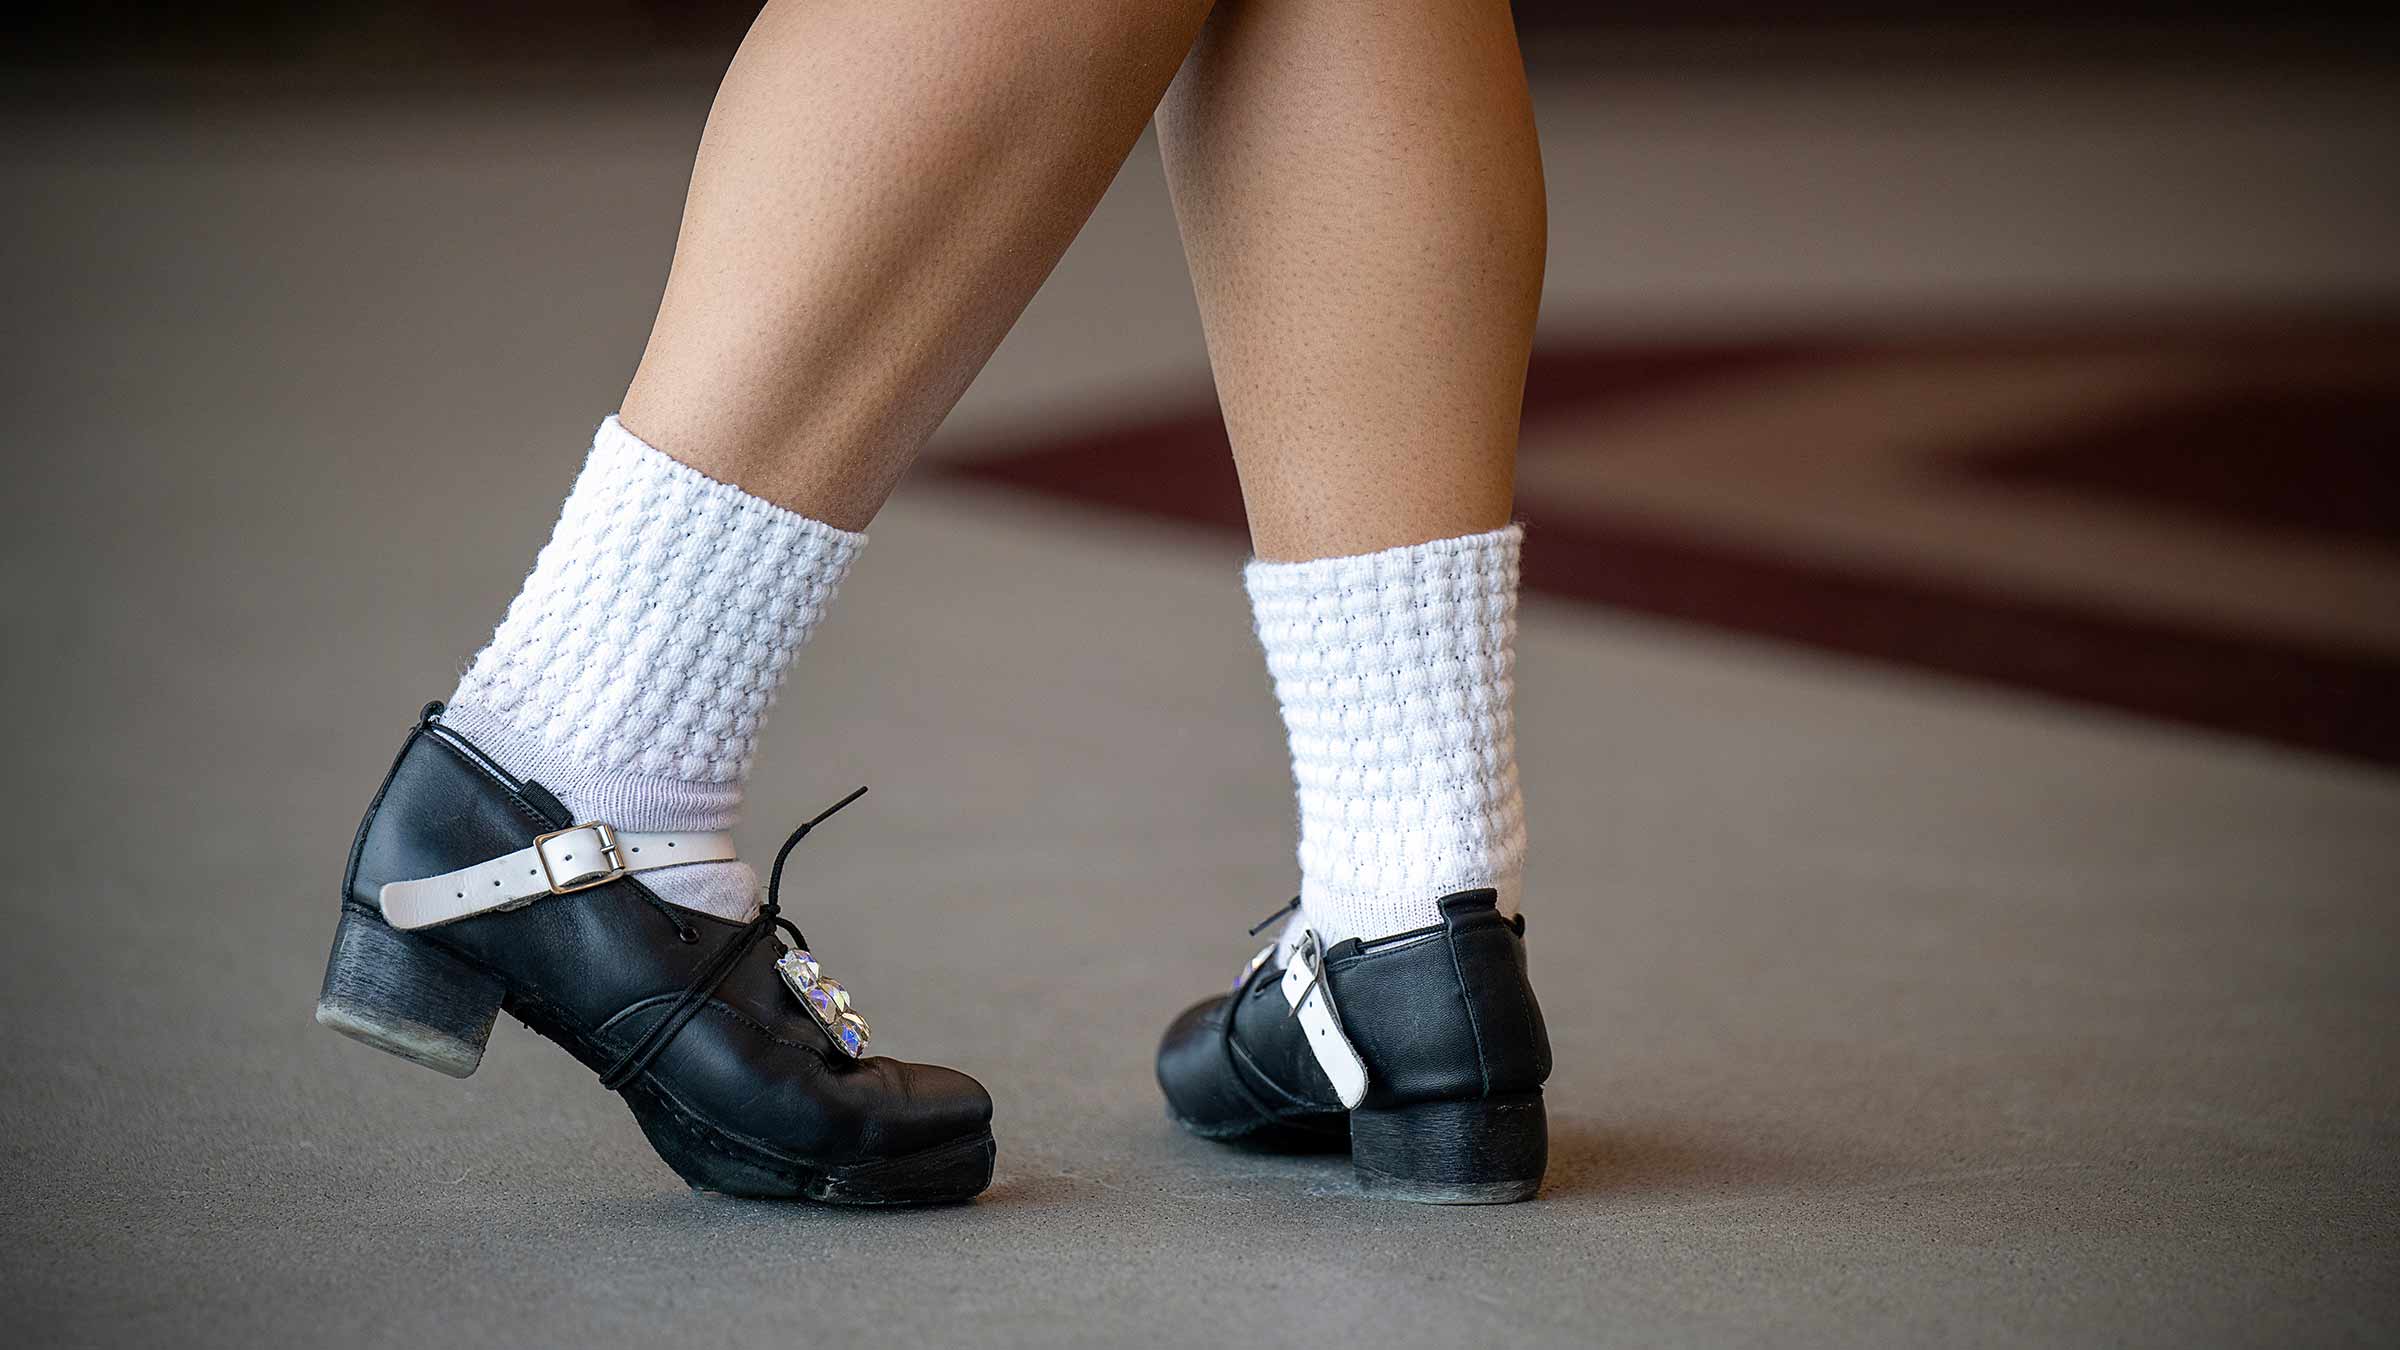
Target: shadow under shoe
741	1092
1454	1046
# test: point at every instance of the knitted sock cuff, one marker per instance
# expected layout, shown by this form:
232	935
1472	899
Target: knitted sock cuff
658	621
1395	672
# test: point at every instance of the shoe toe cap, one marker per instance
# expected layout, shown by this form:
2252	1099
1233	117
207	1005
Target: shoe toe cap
921	1106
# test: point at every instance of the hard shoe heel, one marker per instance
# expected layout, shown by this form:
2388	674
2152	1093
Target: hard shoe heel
402	993
1485	1152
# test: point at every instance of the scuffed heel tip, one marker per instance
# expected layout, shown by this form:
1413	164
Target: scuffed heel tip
413	1042
405	996
1378	1186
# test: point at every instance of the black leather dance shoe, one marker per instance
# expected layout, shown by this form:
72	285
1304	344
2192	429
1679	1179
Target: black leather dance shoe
1426	1049
470	891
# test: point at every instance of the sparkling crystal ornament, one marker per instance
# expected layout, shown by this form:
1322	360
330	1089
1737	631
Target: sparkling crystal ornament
798	966
850	1033
825	999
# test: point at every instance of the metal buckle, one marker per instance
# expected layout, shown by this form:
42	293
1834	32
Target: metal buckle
1312	960
607	839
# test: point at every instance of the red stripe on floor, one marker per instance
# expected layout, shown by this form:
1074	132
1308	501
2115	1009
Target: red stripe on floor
2335	450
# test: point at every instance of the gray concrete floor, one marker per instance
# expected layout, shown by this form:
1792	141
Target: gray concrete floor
1887	1010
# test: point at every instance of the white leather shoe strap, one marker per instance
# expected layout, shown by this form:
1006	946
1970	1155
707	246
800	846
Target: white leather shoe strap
1311	998
560	863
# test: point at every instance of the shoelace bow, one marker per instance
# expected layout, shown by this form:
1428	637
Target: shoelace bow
714	973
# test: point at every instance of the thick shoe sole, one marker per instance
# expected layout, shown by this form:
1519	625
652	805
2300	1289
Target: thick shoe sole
408	997
1254	1136
1490	1152
713	1162
1487	1152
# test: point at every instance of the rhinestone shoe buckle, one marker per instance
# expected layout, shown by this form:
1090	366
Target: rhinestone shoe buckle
825	999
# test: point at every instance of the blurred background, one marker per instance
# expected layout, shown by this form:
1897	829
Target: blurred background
2047	344
1961	686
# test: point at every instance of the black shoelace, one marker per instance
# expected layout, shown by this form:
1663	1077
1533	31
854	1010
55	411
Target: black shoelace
714	973
1288	907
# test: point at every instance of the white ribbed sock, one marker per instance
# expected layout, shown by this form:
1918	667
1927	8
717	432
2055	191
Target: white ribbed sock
633	670
1395	671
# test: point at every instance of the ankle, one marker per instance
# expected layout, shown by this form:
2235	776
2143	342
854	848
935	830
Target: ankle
1338	914
624	801
1395	673
634	669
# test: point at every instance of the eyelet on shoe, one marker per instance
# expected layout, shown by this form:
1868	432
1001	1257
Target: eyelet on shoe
689	935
